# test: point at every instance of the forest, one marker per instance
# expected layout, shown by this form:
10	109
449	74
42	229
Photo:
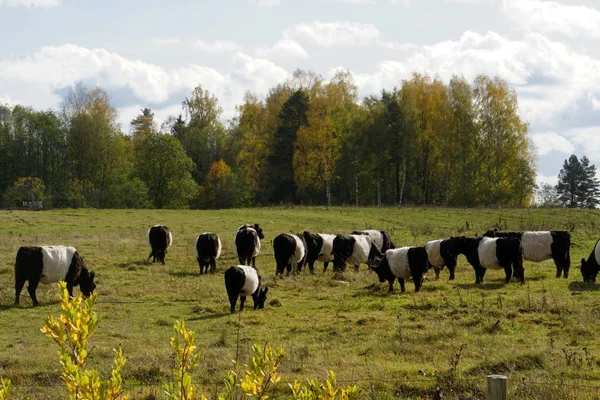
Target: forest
309	141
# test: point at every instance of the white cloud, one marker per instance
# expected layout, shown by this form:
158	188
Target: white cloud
553	17
550	180
167	41
588	139
283	48
341	33
216	46
31	3
5	100
549	76
52	68
266	3
594	101
548	142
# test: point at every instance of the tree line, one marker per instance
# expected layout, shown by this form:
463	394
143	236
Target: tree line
308	141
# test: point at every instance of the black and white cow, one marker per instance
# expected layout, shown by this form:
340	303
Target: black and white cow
402	264
543	245
242	281
485	253
590	268
159	240
247	243
50	264
439	257
208	249
355	250
289	250
318	247
381	239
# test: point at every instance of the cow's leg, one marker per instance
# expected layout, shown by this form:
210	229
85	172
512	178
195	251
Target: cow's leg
311	267
31	288
476	268
213	265
288	268
242	301
451	264
253	262
19	283
482	272
391	286
402	285
241	260
232	302
508	271
70	289
325	265
300	265
150	256
437	273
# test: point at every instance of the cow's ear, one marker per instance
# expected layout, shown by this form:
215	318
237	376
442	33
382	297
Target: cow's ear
582	261
92	274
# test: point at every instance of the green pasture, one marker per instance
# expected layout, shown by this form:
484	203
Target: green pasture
451	334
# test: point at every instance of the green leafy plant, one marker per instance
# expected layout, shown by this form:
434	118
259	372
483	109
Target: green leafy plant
186	358
4	389
71	331
261	375
327	390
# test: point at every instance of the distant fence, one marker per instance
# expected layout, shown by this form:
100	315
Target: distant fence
515	388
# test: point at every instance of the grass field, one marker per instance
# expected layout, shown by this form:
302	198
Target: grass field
396	344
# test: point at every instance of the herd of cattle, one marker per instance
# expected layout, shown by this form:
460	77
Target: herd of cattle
493	250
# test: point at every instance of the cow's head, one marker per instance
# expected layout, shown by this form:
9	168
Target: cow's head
491	232
589	270
86	282
260	298
375	256
456	245
259	231
382	269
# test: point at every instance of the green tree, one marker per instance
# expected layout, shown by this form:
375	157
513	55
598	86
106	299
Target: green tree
166	170
142	126
25	189
203	136
589	186
281	172
577	184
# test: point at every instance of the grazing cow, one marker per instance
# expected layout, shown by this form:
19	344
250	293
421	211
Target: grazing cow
49	264
208	249
590	268
289	250
490	253
159	240
402	264
247	243
439	257
543	245
381	239
356	250
242	281
318	247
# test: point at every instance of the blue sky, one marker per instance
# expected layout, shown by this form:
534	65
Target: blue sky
152	53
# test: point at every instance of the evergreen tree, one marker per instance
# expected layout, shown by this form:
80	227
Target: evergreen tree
280	161
577	185
589	186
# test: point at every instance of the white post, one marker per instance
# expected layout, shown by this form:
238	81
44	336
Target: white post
497	387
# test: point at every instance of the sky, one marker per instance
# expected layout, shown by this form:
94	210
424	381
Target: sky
152	53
